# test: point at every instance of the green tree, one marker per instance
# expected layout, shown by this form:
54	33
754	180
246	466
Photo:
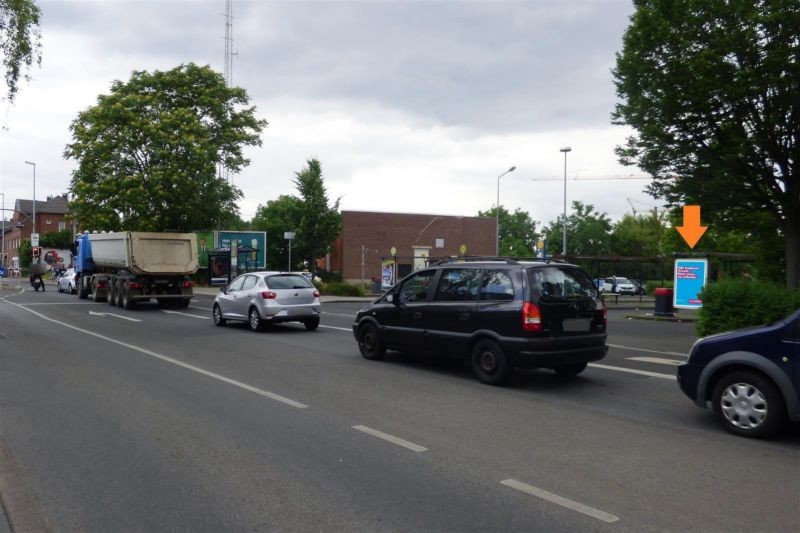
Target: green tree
57	239
639	236
711	89
277	217
25	252
148	152
315	223
588	232
20	40
517	232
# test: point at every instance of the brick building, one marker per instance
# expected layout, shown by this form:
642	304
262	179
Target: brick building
50	217
416	238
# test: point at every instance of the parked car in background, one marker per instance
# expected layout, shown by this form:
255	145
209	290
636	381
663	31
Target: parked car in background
263	298
66	282
500	314
751	376
618	285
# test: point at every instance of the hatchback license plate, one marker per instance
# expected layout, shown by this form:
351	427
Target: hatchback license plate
576	324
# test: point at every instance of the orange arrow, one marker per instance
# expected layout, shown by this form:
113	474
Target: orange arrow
691	231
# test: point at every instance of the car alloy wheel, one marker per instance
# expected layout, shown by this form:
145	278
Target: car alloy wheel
256	324
217	314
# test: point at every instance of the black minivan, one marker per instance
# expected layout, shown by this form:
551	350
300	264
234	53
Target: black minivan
501	313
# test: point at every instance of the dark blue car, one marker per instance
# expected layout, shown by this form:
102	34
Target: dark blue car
750	376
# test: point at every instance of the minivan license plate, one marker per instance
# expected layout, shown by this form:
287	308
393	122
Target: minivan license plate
576	324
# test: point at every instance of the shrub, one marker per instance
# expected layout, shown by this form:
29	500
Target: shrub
336	288
734	304
328	277
650	286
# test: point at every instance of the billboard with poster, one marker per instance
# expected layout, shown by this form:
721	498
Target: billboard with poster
205	244
690	278
257	240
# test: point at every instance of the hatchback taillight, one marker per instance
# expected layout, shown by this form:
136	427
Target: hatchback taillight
268	295
316	294
531	317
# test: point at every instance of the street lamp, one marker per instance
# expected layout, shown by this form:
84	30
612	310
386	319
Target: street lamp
564	247
3	219
497	213
34	193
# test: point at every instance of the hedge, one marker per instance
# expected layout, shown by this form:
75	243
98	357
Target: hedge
339	289
735	304
650	286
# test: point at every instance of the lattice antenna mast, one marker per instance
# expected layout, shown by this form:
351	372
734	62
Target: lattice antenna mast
224	173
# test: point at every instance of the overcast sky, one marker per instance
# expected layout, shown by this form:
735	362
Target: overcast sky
410	106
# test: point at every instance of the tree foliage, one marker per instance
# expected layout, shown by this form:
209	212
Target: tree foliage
148	152
57	239
277	217
711	89
588	232
638	236
517	231
20	40
315	223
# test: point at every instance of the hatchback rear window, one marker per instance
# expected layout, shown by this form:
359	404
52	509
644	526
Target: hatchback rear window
288	281
561	283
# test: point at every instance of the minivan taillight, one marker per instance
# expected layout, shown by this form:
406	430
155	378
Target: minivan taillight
135	285
187	284
531	317
268	295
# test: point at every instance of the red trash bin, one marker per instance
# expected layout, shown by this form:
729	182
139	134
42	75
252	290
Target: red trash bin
664	302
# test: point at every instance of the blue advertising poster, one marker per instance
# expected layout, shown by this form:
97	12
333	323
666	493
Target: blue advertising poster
257	240
690	278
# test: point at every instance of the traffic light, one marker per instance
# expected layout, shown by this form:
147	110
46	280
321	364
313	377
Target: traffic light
37	250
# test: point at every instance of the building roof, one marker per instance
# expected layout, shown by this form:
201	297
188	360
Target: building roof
56	205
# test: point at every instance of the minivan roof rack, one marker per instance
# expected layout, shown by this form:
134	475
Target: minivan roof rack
477	258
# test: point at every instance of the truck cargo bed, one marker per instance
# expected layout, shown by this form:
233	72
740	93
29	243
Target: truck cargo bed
145	253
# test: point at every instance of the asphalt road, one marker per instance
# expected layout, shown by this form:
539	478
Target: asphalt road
148	420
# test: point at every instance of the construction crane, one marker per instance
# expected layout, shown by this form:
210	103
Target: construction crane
633	207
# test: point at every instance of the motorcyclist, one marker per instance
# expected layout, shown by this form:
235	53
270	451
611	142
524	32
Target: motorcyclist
37	281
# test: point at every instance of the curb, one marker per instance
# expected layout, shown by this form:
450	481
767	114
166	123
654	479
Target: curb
662	318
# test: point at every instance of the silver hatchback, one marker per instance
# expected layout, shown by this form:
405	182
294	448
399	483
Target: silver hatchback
262	298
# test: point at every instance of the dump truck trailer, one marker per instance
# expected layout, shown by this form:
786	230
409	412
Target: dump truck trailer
127	267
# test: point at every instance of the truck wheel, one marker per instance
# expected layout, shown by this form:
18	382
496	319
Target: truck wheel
110	292
125	298
118	294
95	292
83	292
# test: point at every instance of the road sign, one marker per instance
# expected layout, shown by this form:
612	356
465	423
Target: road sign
288	235
690	278
34	239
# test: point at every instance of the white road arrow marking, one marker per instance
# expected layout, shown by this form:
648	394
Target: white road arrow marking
118	316
186	314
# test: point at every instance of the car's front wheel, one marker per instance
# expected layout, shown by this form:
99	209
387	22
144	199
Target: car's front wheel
489	362
217	314
747	403
370	343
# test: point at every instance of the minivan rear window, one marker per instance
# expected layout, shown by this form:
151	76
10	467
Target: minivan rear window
561	283
288	281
